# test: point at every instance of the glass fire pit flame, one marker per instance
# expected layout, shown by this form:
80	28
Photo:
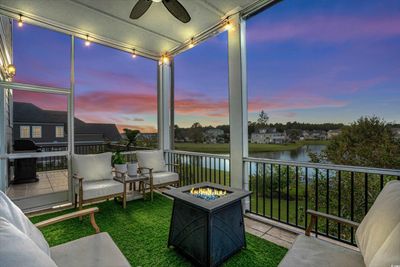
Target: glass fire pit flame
207	193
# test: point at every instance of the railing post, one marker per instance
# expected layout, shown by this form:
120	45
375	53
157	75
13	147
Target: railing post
238	105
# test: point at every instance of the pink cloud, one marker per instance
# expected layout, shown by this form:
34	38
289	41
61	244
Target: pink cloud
326	28
42	100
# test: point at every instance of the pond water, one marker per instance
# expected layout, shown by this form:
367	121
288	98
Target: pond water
300	154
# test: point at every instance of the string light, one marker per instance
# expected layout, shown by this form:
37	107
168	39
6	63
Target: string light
134	53
191	44
166	59
228	25
20	22
87	42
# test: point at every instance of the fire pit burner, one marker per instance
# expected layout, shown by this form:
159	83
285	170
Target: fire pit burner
208	193
207	222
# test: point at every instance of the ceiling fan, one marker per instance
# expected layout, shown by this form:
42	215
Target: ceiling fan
173	6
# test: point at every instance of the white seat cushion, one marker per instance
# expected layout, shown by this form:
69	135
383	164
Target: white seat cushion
378	235
164	177
151	159
312	252
97	250
95	189
93	167
14	215
17	249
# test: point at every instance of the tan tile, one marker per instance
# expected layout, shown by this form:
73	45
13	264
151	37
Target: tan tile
254	231
17	193
60	188
34	192
282	234
276	240
39	185
261	227
59	183
19	186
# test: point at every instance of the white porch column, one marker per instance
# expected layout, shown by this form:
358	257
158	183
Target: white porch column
238	103
164	105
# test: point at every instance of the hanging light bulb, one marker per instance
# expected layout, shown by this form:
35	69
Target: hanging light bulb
134	53
87	42
165	59
191	44
228	25
20	22
11	70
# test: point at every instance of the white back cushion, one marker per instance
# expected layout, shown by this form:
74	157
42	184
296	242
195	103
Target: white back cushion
17	249
151	159
378	236
10	212
93	167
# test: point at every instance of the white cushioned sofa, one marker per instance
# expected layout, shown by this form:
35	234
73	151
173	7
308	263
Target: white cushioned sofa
22	244
152	164
94	179
377	237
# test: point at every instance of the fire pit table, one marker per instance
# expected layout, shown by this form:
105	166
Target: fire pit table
207	222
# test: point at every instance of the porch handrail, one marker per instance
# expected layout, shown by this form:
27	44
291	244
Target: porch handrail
189	153
369	170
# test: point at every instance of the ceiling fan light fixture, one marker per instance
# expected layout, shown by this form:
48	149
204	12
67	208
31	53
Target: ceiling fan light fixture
156	1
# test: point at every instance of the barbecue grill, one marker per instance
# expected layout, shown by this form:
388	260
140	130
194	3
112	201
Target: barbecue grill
25	169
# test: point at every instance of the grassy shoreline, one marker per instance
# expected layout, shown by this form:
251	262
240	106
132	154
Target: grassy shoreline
253	148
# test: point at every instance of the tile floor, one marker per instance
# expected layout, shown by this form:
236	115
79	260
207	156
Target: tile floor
271	233
49	182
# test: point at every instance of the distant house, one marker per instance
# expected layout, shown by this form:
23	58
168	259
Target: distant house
268	136
46	127
333	133
313	135
213	136
147	137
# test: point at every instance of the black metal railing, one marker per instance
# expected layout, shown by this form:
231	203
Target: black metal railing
200	167
283	191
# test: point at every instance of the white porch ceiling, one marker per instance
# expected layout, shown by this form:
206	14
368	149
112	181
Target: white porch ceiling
156	32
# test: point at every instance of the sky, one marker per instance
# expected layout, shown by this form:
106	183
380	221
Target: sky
308	61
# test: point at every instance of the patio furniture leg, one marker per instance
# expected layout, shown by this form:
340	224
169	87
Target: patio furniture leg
80	197
124	198
80	205
76	201
93	223
151	193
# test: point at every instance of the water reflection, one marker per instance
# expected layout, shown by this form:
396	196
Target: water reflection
301	154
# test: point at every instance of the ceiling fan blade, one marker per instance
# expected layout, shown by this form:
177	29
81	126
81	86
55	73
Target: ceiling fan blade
140	8
177	10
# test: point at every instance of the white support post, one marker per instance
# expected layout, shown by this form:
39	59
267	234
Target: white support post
164	106
3	141
238	104
71	121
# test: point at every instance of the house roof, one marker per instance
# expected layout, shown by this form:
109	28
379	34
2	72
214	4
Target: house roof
156	32
29	113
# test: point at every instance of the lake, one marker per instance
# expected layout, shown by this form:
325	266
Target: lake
300	154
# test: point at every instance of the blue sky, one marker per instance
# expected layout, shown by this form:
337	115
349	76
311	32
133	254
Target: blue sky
308	61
